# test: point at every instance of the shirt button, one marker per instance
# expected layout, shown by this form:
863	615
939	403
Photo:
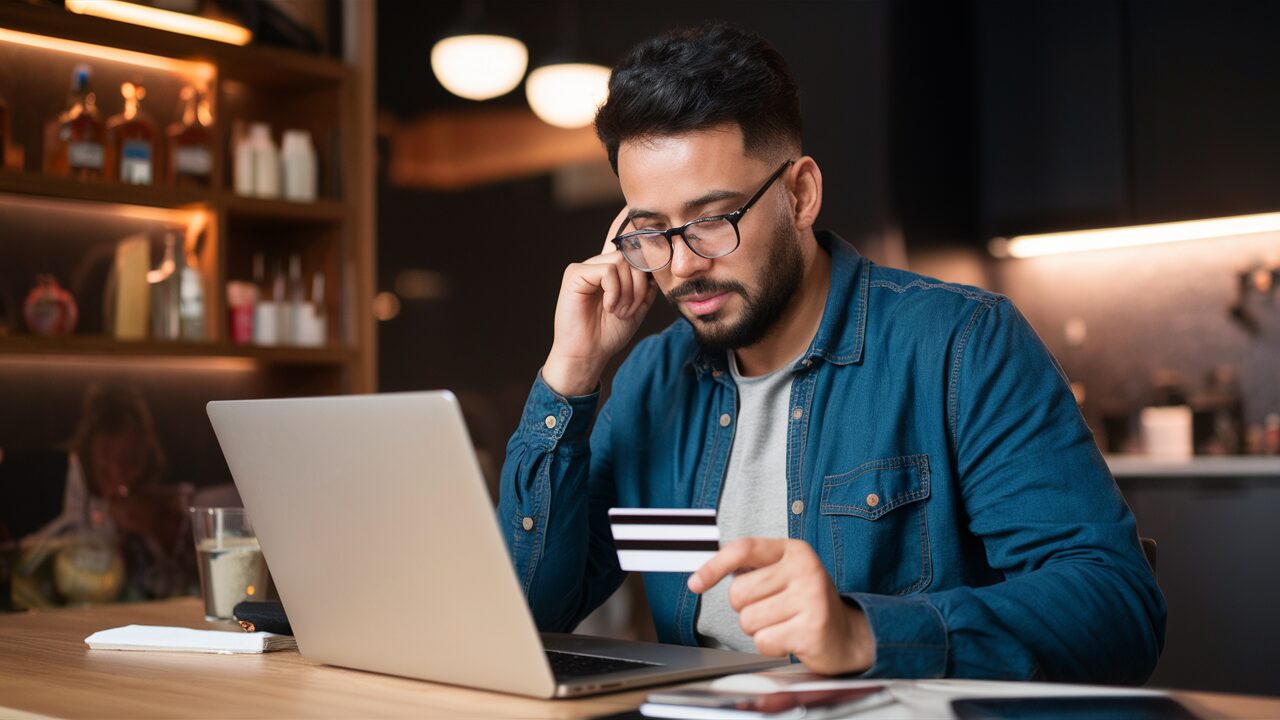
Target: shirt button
797	507
528	523
550	421
725	420
797	414
873	500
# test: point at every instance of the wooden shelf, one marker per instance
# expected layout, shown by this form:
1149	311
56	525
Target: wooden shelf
324	210
264	66
286	88
100	346
103	191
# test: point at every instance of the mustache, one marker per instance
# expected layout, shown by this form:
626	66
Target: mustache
704	286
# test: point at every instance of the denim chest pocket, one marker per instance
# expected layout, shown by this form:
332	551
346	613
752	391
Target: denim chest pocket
878	528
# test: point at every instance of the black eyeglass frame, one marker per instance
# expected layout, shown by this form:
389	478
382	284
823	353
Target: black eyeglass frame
733	217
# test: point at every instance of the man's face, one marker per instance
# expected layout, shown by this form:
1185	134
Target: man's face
731	301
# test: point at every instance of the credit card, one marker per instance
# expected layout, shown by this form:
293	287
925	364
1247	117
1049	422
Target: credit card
664	540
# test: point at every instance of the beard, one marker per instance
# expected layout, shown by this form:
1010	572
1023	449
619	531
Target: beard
762	309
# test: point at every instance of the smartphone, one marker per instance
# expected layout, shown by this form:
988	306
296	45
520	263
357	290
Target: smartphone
762	705
1115	707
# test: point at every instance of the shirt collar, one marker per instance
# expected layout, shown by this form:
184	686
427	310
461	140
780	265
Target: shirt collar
842	333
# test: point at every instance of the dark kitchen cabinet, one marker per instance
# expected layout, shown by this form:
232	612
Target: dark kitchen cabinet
1094	113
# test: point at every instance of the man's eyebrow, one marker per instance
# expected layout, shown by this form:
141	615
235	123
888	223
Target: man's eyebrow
694	204
712	197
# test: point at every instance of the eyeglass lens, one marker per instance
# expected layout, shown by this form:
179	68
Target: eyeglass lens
710	238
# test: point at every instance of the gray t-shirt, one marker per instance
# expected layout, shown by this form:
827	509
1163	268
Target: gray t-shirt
753	499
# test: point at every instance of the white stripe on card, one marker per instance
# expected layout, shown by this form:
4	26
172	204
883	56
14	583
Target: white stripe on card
693	512
662	560
665	532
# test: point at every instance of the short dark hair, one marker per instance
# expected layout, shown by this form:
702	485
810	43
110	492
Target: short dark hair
694	78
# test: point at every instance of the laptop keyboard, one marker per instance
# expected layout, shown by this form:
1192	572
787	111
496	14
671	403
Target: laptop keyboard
572	665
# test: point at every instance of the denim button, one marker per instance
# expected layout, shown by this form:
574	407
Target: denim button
550	421
725	420
873	500
797	414
797	507
528	523
716	373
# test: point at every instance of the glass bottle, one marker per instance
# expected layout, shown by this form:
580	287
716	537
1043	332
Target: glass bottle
164	292
190	299
190	140
73	141
131	141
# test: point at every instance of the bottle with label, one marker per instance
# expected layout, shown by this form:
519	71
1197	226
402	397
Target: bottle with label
74	141
190	141
132	141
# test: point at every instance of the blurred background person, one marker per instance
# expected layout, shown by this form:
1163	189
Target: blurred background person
107	527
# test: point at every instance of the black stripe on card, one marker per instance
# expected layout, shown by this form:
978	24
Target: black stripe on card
672	545
622	519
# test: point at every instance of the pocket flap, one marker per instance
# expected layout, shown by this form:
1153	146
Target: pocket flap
874	488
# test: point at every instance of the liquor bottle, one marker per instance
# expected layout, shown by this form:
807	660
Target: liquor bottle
73	141
131	141
190	155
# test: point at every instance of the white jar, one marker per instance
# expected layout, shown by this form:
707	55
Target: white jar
243	166
298	161
266	162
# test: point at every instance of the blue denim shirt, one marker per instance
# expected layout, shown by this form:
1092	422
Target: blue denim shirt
936	461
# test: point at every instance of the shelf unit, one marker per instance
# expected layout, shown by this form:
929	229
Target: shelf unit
334	235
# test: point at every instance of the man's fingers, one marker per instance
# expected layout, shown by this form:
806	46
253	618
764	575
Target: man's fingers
614	228
781	639
639	288
744	553
609	283
756	586
625	282
768	612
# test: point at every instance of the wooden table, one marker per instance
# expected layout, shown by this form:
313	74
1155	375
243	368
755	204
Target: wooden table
47	670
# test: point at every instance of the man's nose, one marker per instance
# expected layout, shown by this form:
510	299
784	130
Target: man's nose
685	262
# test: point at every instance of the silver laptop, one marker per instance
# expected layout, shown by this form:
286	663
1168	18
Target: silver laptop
385	548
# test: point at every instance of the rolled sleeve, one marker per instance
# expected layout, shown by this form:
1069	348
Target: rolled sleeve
909	634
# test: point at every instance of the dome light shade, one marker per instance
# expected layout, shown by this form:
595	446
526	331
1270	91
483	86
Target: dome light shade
479	67
567	95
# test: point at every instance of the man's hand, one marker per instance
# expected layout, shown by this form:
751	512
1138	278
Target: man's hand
602	302
788	604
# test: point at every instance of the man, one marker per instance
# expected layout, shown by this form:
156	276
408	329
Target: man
908	485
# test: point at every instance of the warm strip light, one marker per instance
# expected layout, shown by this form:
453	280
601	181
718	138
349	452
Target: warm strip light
199	71
195	218
87	358
1025	246
153	17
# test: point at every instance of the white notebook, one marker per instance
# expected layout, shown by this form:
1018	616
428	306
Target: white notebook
176	639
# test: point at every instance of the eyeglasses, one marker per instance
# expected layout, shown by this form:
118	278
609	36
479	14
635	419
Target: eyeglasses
709	237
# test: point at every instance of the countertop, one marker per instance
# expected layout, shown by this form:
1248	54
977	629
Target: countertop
1200	466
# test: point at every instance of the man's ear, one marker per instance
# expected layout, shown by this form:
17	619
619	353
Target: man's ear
806	192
